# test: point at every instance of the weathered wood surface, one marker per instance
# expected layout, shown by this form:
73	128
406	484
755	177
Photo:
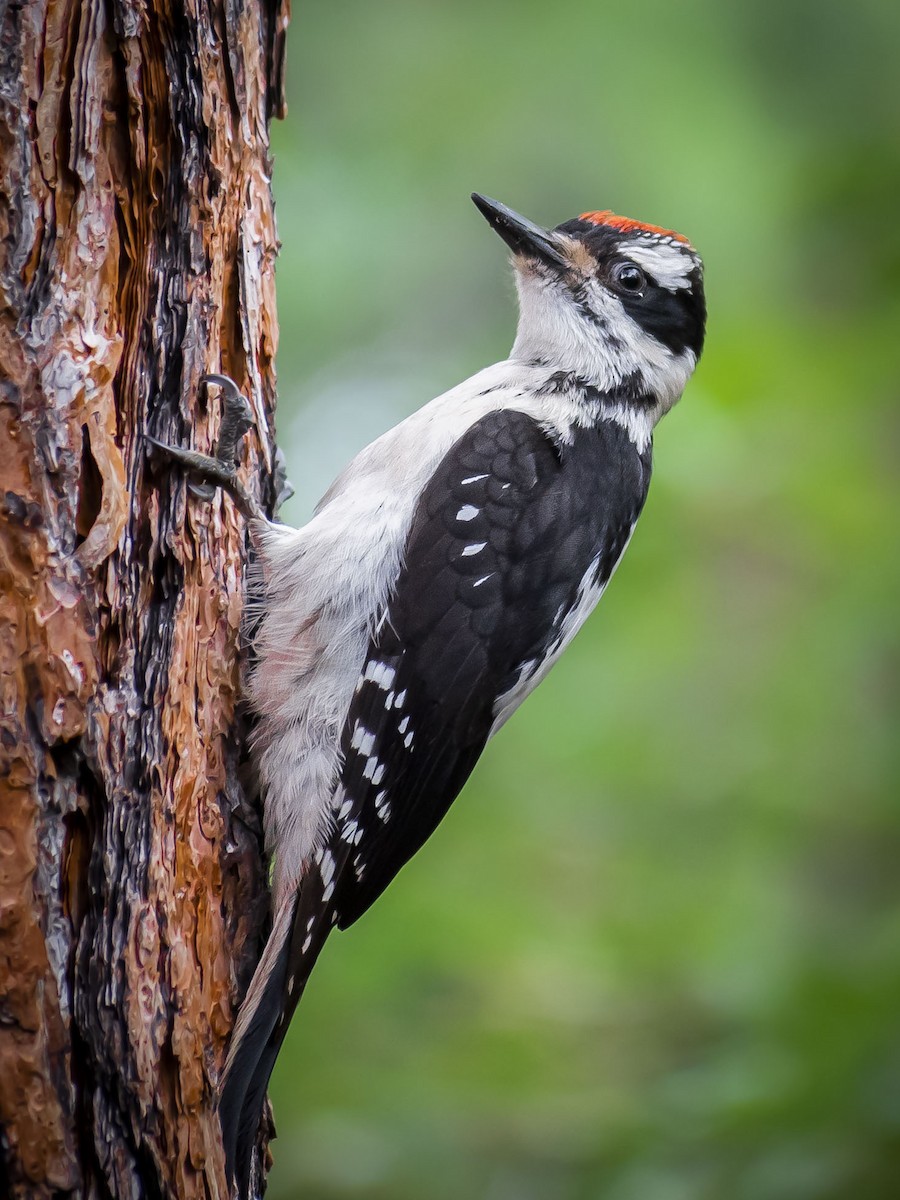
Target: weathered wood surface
137	248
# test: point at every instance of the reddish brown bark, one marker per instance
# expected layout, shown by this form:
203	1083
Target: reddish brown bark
137	248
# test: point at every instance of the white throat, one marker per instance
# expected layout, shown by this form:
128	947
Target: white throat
599	342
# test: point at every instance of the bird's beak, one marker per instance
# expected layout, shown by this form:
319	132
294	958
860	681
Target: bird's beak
521	235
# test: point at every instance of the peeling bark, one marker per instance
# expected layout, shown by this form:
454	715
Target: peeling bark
137	247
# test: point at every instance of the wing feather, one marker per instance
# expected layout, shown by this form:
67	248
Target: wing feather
499	548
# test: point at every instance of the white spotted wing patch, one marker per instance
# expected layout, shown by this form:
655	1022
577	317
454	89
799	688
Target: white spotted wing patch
352	833
326	863
374	770
380	673
348	833
506	556
382	807
362	740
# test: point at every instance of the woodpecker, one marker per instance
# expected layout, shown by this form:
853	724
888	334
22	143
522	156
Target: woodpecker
442	575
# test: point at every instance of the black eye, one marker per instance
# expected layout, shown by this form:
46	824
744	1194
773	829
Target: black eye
628	278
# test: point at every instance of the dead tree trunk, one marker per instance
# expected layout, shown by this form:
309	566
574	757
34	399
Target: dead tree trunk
137	248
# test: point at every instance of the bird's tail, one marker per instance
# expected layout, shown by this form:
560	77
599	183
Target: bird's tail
299	931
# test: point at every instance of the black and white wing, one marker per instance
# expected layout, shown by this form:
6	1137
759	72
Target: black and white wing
513	539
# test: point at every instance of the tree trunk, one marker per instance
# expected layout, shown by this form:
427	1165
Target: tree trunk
137	248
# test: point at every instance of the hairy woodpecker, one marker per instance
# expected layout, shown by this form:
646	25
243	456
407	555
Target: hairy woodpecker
441	577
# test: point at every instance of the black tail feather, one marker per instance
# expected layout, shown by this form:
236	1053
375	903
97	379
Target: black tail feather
302	924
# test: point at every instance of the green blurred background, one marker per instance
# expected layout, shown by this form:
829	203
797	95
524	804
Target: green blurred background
653	953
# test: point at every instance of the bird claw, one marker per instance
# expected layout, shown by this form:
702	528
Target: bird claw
207	474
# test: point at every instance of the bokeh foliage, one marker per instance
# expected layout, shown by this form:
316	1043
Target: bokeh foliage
654	951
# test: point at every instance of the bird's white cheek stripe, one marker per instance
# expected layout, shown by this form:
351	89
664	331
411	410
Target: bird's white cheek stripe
669	266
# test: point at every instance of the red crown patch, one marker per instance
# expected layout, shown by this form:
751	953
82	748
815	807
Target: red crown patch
628	226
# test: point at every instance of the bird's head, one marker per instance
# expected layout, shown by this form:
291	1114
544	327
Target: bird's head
618	302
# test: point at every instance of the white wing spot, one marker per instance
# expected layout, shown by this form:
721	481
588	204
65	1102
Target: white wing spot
468	512
329	892
307	942
379	774
362	740
348	833
379	673
475	548
400	699
346	809
290	987
326	866
408	740
474	478
370	767
403	726
483	579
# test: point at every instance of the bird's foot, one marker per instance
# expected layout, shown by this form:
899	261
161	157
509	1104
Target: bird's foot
206	473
